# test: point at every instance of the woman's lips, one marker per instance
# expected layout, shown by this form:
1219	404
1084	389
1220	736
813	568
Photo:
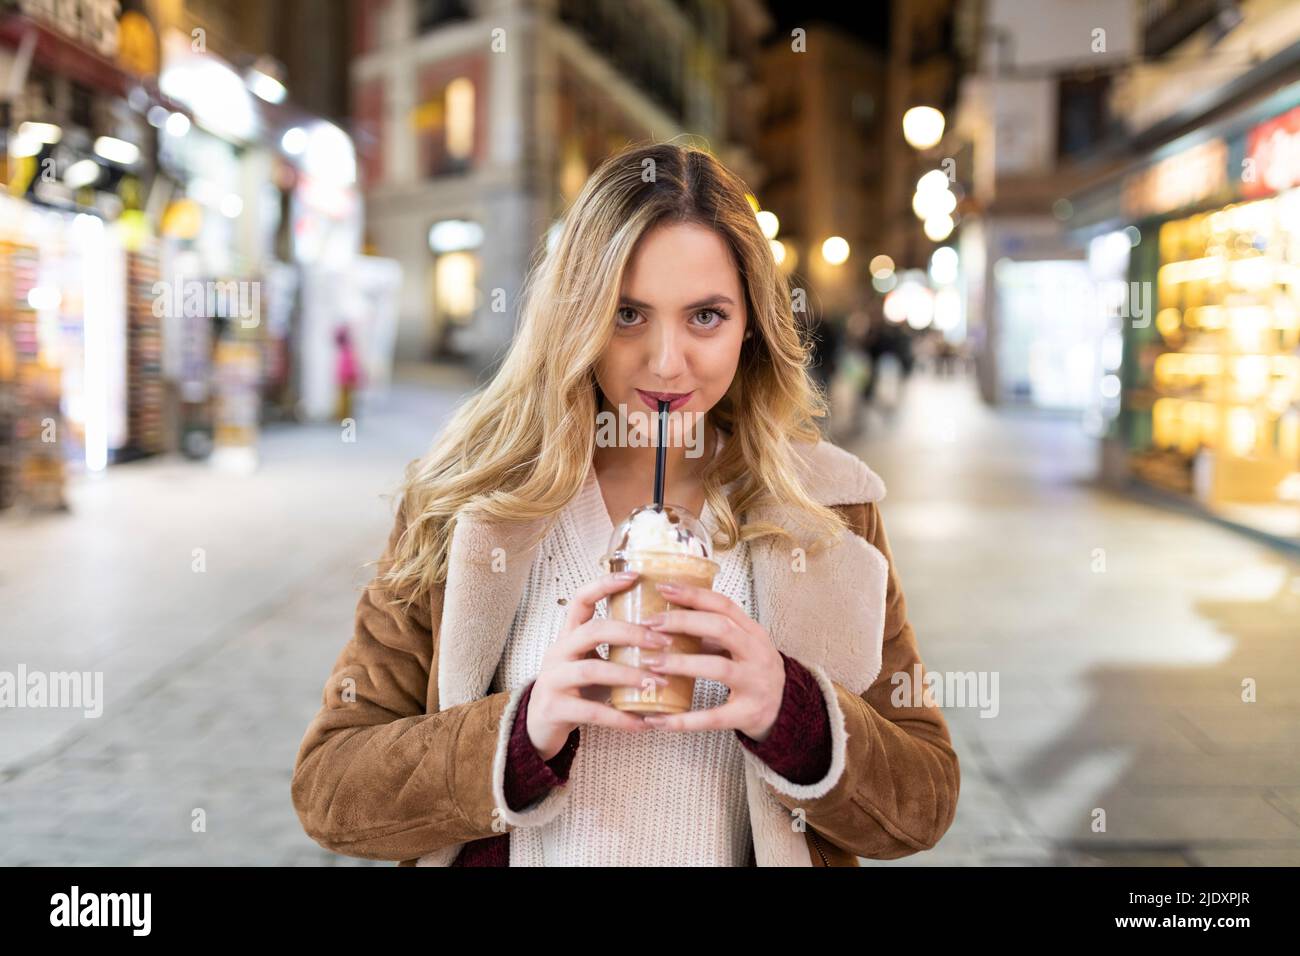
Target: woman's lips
651	399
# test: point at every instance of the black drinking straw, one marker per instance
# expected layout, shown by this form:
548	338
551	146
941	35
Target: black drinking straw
660	452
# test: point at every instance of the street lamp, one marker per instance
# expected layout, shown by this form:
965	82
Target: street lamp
936	180
940	202
922	127
835	250
938	228
934	204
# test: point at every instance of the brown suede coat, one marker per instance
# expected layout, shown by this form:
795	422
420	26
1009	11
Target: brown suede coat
405	760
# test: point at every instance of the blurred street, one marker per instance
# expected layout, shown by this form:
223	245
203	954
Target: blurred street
1119	689
1042	258
1120	634
210	678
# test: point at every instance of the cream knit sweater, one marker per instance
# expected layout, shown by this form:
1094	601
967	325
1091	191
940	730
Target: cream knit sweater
649	798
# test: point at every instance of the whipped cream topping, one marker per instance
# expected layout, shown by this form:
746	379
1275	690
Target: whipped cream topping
650	530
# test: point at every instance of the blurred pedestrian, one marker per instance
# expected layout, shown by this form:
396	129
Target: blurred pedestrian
348	372
891	359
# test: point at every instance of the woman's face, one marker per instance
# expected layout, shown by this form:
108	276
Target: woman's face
679	325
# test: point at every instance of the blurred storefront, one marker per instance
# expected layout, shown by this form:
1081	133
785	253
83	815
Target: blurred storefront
1032	120
78	372
179	249
1042	310
1032	308
1205	385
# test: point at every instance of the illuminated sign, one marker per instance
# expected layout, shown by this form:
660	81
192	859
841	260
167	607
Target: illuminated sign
1185	179
1272	155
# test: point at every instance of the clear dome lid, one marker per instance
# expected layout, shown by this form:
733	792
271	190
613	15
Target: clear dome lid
673	530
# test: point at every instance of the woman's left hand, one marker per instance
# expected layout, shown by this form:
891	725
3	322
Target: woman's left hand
736	650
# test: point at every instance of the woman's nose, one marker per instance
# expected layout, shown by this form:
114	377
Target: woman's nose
667	360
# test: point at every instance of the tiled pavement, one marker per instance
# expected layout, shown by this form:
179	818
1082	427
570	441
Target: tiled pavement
1121	635
210	678
1118	689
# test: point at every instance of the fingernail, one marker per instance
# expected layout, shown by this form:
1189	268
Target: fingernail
664	586
657	640
651	660
626	575
652	621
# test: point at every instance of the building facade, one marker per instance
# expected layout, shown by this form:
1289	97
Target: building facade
478	122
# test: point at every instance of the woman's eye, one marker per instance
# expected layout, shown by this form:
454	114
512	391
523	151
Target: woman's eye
627	316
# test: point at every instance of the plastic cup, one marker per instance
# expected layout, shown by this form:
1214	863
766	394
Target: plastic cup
642	601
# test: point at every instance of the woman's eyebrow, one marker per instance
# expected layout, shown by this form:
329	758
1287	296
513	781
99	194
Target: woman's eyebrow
716	299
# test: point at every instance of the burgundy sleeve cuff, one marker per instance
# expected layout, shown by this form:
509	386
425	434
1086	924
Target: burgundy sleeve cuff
799	744
489	851
529	777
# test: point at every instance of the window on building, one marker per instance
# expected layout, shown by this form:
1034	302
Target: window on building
434	13
460	120
1083	115
447	122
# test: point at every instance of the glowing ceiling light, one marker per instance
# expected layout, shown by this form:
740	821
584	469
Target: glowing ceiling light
21	146
329	156
266	86
41	132
455	235
117	150
209	89
294	141
81	173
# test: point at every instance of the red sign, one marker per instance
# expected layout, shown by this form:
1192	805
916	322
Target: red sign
1272	156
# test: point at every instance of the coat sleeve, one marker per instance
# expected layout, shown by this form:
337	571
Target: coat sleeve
892	787
376	776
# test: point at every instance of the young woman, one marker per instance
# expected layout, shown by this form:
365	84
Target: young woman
467	721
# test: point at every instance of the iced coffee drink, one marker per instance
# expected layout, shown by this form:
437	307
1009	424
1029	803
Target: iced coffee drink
664	546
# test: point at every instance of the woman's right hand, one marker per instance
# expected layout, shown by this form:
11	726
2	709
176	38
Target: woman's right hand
572	686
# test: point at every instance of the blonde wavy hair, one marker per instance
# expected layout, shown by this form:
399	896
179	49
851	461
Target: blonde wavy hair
520	446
